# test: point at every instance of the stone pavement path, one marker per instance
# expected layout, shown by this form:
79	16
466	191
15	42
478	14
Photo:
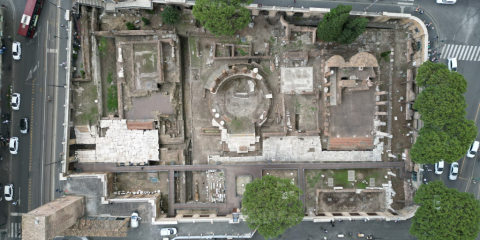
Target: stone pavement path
231	171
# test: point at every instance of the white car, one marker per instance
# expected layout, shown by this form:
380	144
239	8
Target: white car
439	167
24	125
168	231
446	1
8	192
16	50
453	171
134	220
452	64
472	151
16	101
13	145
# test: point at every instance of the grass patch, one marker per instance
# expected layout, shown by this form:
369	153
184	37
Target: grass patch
312	180
90	115
110	78
83	73
237	125
102	46
340	178
112	98
242	52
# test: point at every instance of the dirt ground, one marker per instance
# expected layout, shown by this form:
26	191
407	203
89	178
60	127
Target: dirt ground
318	179
283	173
86	110
144	181
210	186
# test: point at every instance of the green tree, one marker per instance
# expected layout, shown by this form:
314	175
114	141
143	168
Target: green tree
336	26
352	29
445	213
272	204
331	26
440	105
146	21
430	145
222	17
446	135
433	74
170	15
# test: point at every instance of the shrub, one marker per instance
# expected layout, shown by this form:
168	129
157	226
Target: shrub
130	26
146	21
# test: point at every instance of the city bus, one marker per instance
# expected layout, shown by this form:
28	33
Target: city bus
29	20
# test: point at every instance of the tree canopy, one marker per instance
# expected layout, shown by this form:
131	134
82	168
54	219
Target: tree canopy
446	135
222	17
170	15
440	105
272	204
445	213
337	26
433	74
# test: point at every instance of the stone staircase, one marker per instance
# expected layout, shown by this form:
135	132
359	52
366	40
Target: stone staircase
350	143
92	3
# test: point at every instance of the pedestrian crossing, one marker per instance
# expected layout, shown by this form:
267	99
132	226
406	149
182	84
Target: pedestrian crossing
15	230
406	2
461	52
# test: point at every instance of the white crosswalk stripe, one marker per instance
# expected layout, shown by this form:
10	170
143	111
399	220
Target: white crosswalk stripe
15	228
461	52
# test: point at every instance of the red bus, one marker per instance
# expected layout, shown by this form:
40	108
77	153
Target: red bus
29	20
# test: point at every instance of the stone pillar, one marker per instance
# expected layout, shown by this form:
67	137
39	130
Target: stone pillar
329	94
328	84
272	13
234	69
328	73
381	103
245	70
381	113
307	14
255	12
224	73
289	14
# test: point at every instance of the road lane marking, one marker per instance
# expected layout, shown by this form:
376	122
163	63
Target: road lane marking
405	3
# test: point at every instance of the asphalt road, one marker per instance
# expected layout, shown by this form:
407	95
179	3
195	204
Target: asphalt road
36	76
302	231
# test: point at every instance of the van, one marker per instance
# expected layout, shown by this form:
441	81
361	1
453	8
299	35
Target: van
439	167
473	149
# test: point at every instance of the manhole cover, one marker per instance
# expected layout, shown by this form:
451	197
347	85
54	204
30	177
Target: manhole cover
351	175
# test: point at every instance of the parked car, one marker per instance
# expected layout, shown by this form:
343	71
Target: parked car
452	64
8	192
453	171
15	101
13	145
446	1
439	167
168	231
472	151
24	125
134	220
16	50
